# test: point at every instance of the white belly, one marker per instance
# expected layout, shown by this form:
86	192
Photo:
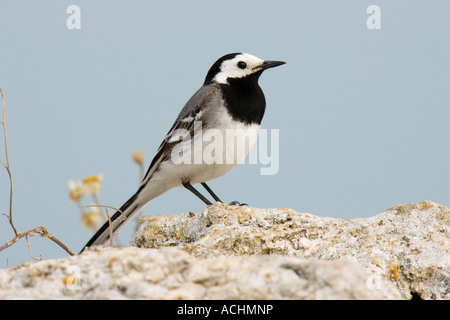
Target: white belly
209	153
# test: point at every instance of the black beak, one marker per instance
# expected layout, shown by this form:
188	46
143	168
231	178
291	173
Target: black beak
270	64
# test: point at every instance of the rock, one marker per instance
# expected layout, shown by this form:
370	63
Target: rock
408	245
231	252
172	273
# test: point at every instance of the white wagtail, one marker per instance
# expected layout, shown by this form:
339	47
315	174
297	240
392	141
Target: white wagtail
229	100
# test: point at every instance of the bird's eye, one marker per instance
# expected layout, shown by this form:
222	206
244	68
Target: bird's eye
242	64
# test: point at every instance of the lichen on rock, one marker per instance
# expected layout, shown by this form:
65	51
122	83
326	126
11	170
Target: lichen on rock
233	252
406	244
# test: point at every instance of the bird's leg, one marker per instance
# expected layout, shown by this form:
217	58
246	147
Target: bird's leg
207	188
189	186
232	203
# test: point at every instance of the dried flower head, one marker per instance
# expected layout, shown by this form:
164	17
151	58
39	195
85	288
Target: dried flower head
75	191
138	157
90	218
92	184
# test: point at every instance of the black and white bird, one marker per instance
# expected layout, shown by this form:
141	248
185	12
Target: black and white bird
230	101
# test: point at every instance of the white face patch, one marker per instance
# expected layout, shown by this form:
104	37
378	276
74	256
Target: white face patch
233	68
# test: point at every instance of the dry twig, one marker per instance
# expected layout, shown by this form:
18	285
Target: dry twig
6	165
37	231
110	228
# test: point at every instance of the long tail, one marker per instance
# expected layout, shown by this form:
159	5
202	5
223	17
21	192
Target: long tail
126	213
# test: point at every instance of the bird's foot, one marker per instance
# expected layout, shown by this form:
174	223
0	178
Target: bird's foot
237	203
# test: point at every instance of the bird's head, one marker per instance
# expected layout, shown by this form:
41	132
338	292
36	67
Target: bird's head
237	66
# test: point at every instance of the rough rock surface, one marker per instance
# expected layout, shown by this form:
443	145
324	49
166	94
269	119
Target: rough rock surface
171	273
230	252
408	245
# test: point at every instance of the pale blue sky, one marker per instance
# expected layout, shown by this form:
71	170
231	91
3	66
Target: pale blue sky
363	115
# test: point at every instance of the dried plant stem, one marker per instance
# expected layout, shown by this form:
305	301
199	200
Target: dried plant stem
39	258
79	204
110	228
97	203
141	172
11	185
109	218
37	231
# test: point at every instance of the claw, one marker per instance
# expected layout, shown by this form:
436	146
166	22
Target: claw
237	203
